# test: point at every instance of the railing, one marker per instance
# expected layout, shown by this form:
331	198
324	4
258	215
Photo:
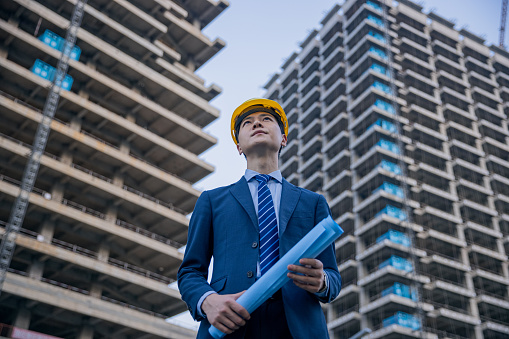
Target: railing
447	306
16	100
434	278
348	283
95	255
483	268
345	259
102	177
96	138
83	209
157	201
500	322
442	334
440	254
92	173
100	215
345	312
148	234
493	295
85	292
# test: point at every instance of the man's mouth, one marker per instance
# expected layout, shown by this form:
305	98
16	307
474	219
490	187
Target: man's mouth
258	132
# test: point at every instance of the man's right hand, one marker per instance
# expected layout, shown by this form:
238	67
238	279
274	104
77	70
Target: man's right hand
224	312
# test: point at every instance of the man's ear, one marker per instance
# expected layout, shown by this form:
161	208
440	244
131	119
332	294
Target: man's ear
284	141
239	149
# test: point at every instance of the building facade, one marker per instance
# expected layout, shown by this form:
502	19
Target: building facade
100	242
400	120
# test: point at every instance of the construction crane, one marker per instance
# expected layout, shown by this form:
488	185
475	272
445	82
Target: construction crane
503	17
19	208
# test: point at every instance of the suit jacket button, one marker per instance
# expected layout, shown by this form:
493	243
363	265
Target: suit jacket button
250	274
254	245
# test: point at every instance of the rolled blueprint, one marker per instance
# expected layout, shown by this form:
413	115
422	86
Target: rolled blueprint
321	236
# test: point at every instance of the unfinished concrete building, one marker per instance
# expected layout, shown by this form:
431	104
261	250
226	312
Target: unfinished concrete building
400	120
108	213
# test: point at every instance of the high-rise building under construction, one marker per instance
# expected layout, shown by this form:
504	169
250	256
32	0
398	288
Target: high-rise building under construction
400	120
107	216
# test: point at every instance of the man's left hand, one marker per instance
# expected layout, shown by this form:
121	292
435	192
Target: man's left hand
309	276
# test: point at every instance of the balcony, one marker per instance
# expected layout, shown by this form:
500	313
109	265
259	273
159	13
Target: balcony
406	45
338	183
341	204
498	166
408	61
313	183
143	241
482	68
335	126
157	120
156	85
340	161
449	66
447	51
106	309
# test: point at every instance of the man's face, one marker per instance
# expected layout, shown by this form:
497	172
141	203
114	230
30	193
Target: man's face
260	132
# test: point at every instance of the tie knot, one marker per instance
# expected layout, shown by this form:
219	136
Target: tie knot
262	178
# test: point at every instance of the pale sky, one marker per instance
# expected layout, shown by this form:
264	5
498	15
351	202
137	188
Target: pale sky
261	34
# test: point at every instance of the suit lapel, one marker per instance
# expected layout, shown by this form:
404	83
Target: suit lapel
240	191
289	197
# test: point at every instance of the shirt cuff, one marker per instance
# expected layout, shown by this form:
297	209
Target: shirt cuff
202	299
325	291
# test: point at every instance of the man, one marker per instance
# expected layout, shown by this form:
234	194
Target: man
248	226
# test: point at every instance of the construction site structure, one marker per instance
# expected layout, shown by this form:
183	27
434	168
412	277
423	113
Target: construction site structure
101	242
400	120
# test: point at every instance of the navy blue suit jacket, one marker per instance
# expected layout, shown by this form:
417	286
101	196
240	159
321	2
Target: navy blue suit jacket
224	225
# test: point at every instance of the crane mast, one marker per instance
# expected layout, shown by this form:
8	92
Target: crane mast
503	17
19	208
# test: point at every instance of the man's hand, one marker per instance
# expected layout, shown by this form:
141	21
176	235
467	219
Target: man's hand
224	312
310	275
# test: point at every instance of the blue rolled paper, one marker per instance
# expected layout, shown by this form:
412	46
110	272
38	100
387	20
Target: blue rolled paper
321	236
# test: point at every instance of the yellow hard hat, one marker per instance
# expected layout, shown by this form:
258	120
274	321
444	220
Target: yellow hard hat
265	103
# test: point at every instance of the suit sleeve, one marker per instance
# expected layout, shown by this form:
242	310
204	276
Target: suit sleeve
193	272
328	256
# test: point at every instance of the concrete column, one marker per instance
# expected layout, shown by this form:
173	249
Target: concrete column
330	317
66	157
83	94
46	232
86	332
125	147
190	65
57	192
479	334
23	316
491	204
3	52
111	214
36	269
118	179
75	124
104	252
130	117
96	290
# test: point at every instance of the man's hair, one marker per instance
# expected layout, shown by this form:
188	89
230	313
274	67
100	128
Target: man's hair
258	109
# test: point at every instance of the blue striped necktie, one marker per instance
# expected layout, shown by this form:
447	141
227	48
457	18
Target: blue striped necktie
267	224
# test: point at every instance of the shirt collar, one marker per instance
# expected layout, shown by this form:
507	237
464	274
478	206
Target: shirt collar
276	175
